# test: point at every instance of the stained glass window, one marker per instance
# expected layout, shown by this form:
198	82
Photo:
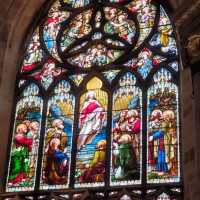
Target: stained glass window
97	102
126	137
58	138
25	140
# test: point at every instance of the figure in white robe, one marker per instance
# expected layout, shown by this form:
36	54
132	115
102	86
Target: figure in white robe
92	117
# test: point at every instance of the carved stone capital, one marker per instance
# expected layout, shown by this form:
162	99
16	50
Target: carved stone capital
193	48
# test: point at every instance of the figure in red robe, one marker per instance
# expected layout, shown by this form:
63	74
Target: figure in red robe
92	117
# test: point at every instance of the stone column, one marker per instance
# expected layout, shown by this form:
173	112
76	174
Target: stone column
187	132
196	83
191	120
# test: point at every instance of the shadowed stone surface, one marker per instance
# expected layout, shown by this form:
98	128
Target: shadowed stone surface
15	18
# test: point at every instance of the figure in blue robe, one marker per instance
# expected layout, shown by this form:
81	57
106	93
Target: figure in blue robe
49	41
145	69
161	164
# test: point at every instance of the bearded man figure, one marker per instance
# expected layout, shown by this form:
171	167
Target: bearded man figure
56	167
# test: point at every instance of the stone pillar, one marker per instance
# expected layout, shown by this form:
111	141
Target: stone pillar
187	132
196	83
191	120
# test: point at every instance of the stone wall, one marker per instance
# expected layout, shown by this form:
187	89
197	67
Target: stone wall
15	18
196	80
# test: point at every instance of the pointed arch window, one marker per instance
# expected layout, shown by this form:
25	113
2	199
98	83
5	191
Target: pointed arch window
98	102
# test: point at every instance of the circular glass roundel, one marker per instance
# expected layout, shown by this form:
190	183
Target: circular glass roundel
98	37
101	33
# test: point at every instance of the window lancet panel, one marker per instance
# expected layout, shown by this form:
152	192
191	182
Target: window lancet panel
58	138
99	82
91	143
163	129
25	141
126	151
